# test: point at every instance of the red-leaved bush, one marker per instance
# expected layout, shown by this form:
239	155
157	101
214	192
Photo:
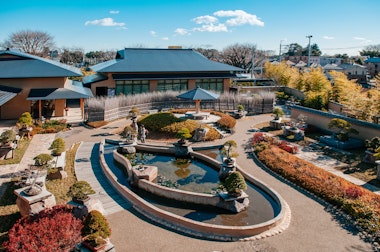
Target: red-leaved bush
54	229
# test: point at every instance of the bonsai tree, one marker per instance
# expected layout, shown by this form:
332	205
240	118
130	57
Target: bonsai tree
240	107
278	112
57	146
235	183
372	144
128	133
227	150
344	128
42	160
8	136
96	224
134	112
183	134
80	190
25	120
377	153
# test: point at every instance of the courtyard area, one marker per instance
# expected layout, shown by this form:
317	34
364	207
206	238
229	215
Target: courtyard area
314	224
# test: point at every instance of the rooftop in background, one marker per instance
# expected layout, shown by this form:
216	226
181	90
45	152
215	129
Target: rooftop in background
137	60
17	64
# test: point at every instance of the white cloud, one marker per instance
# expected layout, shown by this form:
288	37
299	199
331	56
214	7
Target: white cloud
182	31
164	38
153	33
212	28
240	17
212	23
363	40
205	19
328	37
114	12
104	22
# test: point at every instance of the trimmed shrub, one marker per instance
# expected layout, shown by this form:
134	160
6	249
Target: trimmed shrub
225	121
54	229
155	122
361	204
183	133
173	128
212	134
97	124
96	223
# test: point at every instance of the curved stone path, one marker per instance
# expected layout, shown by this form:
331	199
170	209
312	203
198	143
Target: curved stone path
315	226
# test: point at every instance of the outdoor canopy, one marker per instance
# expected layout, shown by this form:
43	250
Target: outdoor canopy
198	94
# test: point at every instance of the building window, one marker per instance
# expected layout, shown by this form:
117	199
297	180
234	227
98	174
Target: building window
130	87
172	85
211	84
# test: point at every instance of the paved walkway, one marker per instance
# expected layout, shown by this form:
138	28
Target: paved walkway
87	167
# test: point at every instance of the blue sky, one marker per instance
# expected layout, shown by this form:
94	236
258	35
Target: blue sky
340	26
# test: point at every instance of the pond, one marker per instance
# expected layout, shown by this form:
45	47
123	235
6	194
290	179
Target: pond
197	176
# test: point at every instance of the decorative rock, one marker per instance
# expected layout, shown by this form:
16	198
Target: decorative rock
126	150
200	134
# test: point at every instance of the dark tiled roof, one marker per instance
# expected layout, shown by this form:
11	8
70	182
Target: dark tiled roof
71	90
372	60
198	94
16	64
137	60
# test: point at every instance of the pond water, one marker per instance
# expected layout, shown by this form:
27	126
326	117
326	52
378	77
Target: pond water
198	177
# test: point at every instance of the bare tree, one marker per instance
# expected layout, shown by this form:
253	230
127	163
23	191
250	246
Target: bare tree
72	56
240	55
34	42
211	54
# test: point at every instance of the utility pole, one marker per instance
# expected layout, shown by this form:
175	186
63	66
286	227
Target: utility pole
253	61
279	58
308	57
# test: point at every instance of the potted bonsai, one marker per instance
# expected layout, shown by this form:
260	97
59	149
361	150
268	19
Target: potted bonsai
95	231
183	134
129	134
7	140
227	150
24	124
57	146
344	129
94	242
79	191
41	162
235	183
278	113
372	146
241	111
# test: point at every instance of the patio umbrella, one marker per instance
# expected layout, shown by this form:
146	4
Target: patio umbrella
198	94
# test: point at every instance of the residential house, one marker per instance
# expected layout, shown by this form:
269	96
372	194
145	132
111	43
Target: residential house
33	84
139	70
355	72
373	66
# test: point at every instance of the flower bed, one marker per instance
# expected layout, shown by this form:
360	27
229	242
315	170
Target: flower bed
361	204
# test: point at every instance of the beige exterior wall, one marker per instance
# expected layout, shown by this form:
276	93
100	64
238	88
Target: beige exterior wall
109	83
18	105
321	121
